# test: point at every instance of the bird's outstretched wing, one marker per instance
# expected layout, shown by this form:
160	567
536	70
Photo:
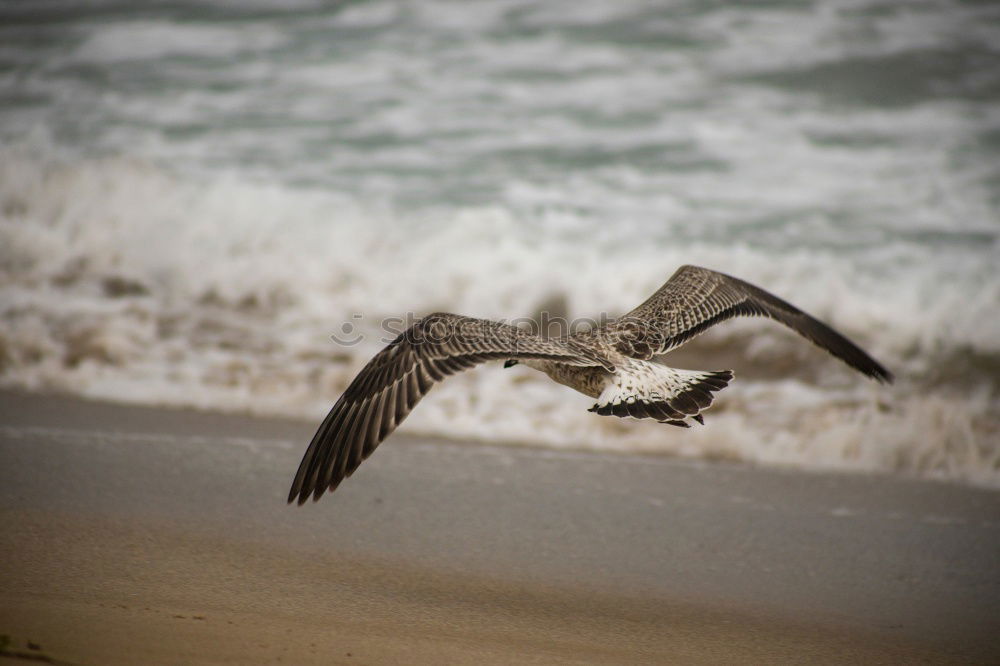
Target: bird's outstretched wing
696	298
386	389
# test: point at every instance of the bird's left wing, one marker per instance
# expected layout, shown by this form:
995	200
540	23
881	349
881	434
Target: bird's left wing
696	298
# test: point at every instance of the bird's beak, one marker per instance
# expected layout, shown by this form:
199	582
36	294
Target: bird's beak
510	363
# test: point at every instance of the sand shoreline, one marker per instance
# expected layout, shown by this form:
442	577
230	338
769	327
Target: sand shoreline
177	547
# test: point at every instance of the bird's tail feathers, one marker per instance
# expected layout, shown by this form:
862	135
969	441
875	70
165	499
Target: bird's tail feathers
644	389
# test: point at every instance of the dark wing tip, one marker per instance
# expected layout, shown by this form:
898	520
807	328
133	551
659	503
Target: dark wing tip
843	348
858	359
880	374
821	334
299	491
316	494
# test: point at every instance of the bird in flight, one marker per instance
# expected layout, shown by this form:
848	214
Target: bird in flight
612	363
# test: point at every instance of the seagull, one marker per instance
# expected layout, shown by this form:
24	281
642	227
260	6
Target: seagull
613	363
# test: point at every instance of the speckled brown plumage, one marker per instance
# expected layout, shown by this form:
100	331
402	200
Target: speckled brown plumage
611	364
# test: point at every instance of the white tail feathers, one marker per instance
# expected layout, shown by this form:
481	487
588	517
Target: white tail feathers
642	389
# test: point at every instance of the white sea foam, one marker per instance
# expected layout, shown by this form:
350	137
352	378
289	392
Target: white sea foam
141	40
121	281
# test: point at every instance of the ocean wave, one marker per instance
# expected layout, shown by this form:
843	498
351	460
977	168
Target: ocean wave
121	280
195	200
125	41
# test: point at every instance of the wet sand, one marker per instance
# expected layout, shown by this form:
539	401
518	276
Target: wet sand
135	535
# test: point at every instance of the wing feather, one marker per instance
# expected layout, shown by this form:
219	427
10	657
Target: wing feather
695	299
390	385
388	413
325	459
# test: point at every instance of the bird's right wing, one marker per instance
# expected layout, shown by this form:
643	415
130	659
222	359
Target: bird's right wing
696	298
387	388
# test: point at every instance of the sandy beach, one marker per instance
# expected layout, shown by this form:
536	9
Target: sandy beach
137	535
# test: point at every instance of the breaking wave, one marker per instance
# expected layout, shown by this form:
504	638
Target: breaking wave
121	281
194	201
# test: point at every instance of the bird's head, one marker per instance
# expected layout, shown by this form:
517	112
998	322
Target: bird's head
510	363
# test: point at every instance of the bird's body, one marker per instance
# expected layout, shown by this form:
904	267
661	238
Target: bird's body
612	363
588	380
